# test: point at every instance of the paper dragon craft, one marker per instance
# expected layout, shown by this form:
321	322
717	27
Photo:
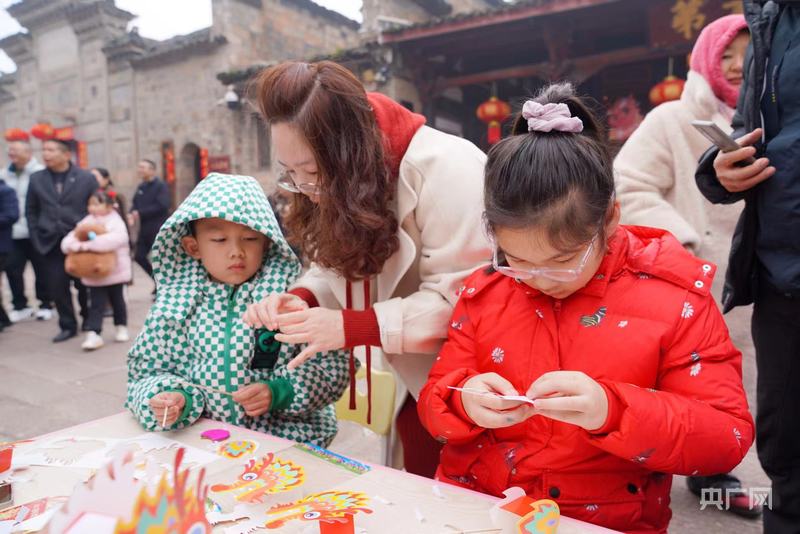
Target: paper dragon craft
114	501
332	511
520	514
262	477
326	507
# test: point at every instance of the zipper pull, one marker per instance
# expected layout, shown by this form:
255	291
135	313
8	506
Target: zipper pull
556	306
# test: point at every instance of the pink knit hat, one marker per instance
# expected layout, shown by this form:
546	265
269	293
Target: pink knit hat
707	55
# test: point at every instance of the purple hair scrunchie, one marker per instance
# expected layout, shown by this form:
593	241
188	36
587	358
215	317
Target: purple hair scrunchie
550	117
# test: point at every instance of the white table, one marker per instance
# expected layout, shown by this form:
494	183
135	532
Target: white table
402	503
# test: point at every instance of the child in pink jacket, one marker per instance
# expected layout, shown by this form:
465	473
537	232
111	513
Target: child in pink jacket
102	212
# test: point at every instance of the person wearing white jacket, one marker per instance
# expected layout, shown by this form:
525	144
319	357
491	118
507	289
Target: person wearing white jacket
388	211
17	176
655	180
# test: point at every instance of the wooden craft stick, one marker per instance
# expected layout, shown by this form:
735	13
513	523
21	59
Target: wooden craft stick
164	421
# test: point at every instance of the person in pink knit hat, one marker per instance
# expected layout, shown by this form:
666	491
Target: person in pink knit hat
655	181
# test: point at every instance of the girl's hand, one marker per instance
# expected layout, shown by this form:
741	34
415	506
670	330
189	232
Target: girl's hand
489	411
264	314
171	402
321	328
570	397
254	398
735	178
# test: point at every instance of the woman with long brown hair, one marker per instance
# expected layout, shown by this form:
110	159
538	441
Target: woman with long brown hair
388	211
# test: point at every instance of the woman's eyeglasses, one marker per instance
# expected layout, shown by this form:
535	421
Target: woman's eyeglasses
286	183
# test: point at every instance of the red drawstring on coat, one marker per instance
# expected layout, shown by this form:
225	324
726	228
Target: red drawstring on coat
349	305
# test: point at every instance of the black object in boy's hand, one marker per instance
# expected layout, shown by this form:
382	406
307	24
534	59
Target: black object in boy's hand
266	351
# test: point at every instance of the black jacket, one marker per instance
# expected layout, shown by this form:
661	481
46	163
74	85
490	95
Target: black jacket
742	277
152	200
9	214
52	216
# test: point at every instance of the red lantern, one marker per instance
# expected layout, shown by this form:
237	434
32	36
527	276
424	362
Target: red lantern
668	89
64	134
203	163
493	112
16	134
42	131
169	165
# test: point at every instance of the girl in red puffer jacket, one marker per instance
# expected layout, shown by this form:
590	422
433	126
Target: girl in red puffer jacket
611	330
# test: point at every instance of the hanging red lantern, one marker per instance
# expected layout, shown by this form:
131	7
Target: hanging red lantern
203	163
16	134
169	164
42	131
670	88
493	112
64	134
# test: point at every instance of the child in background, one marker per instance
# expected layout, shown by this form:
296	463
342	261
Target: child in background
111	287
611	330
220	251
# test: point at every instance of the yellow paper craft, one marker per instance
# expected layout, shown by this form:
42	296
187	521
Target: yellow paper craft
262	477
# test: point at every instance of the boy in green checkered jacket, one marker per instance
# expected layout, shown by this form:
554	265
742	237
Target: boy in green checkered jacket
221	250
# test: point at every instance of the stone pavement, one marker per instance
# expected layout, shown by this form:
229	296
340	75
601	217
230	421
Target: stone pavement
46	387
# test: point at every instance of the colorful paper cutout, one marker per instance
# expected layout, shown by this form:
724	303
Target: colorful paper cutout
328	506
114	497
5	458
543	519
216	434
179	509
35	508
506	514
264	476
234	450
336	459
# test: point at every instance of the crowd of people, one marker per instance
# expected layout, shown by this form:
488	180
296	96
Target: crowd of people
532	271
38	226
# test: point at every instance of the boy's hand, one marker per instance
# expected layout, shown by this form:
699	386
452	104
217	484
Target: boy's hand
570	397
171	402
254	398
321	328
264	314
489	411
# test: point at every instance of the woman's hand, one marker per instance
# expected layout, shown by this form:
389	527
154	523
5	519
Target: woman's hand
321	328
570	397
265	314
170	402
488	410
254	398
736	178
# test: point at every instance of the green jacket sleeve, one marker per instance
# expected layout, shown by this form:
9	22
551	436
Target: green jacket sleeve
320	381
154	366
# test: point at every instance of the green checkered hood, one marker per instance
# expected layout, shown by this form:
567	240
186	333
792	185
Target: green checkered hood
194	340
239	199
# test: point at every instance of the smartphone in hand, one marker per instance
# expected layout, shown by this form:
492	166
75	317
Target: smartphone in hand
714	133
